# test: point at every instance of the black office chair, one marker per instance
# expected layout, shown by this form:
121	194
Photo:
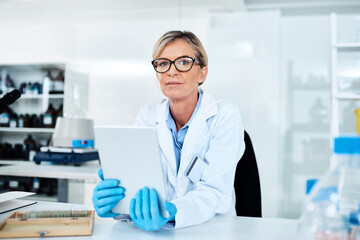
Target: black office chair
247	183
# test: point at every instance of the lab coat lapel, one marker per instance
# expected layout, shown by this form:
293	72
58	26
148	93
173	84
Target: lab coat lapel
198	130
164	135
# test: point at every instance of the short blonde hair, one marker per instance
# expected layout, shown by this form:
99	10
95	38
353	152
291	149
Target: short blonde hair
189	37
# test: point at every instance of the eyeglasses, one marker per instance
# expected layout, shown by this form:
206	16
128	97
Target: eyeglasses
182	64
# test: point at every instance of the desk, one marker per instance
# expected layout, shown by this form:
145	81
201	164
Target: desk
87	171
223	228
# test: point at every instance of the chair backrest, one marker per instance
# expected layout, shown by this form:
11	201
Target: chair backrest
247	183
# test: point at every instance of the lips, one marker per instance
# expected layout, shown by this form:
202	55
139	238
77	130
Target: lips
172	83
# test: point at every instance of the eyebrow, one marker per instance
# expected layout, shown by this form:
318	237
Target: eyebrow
175	58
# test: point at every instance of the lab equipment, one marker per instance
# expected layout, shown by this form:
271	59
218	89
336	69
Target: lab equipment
48	224
58	155
9	98
145	213
328	208
69	130
72	143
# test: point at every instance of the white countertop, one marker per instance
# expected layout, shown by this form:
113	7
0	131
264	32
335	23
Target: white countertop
87	171
226	228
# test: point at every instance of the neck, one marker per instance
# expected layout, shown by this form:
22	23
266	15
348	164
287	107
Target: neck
182	110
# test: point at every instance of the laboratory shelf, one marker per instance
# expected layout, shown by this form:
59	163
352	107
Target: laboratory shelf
311	128
26	130
348	96
307	87
41	96
344	46
12	162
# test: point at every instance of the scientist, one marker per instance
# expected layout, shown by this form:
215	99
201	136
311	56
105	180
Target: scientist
201	141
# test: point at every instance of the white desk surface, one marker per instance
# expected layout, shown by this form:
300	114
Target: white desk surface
45	170
220	228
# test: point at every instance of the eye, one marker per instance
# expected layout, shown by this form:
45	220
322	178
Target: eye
184	61
162	63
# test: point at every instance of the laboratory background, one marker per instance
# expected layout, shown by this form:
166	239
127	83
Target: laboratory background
291	66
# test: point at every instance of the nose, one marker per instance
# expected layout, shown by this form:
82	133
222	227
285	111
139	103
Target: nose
172	71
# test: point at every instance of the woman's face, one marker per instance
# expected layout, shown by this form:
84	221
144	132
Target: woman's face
177	85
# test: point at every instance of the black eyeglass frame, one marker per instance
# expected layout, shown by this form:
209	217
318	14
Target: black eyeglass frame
173	62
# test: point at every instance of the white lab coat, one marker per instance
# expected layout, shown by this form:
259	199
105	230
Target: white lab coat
216	136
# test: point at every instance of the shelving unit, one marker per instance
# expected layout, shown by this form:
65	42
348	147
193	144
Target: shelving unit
26	130
346	46
33	103
307	130
338	47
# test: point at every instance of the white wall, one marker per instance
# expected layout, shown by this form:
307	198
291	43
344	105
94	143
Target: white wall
112	48
243	66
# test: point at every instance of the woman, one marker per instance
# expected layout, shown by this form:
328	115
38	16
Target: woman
201	141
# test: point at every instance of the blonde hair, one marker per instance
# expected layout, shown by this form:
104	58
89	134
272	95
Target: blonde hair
189	37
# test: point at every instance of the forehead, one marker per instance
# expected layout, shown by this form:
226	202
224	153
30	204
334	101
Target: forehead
177	49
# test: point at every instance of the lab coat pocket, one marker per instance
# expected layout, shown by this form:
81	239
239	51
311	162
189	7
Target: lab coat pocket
196	169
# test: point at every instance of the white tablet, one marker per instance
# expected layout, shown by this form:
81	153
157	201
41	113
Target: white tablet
131	154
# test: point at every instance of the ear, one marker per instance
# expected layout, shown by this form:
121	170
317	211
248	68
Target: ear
203	74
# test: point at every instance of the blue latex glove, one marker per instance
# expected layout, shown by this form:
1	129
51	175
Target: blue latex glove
144	210
106	195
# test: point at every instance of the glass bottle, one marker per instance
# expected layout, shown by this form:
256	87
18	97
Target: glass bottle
49	117
59	111
9	83
21	121
27	121
58	83
13	121
30	147
5	117
2	151
46	84
29	88
35	121
22	88
18	151
36	88
328	208
7	150
319	114
35	185
41	120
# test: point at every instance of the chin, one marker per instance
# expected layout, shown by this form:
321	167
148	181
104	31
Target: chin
172	93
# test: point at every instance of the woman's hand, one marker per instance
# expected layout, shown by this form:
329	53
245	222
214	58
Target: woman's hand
106	195
145	213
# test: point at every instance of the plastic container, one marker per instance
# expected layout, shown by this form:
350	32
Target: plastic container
334	199
357	113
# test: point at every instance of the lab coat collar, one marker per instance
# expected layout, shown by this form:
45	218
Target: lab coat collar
197	131
208	108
